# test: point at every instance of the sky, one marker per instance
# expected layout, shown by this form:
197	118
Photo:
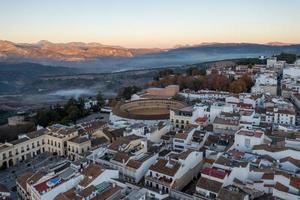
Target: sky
150	23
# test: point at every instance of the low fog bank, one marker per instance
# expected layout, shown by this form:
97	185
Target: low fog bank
75	93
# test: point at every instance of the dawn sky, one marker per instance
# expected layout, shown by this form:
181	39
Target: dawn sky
150	23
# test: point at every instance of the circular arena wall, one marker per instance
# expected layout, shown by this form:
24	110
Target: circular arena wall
147	109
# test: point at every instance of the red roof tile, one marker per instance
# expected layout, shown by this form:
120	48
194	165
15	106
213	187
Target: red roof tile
214	173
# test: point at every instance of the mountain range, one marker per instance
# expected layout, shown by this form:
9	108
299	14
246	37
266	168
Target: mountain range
98	58
79	51
73	51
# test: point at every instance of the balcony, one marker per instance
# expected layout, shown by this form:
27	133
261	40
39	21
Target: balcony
161	180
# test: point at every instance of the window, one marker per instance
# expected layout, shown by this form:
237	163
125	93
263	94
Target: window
247	142
178	146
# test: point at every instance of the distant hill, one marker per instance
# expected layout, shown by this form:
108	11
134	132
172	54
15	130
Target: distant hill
181	56
13	76
73	51
98	58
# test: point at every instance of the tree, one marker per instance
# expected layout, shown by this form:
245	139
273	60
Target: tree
237	86
248	82
178	97
100	102
163	73
74	114
126	92
70	112
250	61
288	57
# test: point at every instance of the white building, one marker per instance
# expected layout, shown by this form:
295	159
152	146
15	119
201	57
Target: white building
275	64
152	133
204	94
265	83
245	140
47	185
129	156
189	138
174	172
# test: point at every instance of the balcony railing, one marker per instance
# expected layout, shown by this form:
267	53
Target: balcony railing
156	180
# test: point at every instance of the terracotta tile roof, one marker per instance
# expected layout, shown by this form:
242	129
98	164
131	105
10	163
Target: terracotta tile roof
123	140
224	121
61	196
121	157
268	176
211	139
214	173
185	154
161	167
93	125
135	164
22	180
295	182
68	195
287	111
291	160
90	173
229	194
281	187
201	120
230	115
210	185
282	173
236	154
210	161
231	163
182	135
250	133
36	177
267	157
270	148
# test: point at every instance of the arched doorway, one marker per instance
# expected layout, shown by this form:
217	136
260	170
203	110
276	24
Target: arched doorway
10	162
4	165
